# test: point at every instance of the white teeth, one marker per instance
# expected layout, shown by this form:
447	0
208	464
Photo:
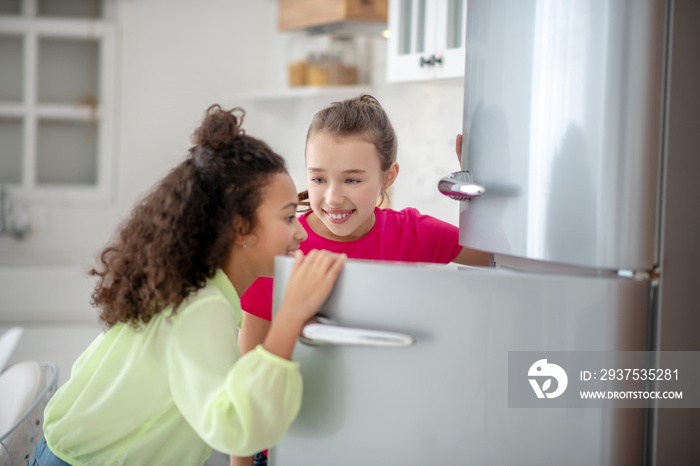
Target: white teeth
338	216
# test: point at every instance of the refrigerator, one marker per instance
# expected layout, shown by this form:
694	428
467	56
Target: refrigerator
579	175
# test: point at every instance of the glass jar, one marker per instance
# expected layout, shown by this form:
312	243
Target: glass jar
342	63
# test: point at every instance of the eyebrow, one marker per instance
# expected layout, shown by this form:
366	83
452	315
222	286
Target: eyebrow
291	205
321	170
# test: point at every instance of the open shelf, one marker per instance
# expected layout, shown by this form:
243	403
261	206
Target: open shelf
297	93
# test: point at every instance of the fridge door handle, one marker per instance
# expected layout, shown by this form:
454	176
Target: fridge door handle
460	186
323	331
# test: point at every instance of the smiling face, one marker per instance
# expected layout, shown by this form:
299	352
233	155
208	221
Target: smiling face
344	180
278	231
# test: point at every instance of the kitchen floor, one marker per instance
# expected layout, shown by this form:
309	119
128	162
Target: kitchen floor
62	344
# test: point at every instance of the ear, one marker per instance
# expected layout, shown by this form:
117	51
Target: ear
240	240
239	236
390	176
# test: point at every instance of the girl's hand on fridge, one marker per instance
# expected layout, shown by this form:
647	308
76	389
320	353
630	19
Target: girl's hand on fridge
310	282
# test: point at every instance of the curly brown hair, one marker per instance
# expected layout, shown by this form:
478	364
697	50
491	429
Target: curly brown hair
182	231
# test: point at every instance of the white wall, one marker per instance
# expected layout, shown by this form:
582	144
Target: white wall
176	59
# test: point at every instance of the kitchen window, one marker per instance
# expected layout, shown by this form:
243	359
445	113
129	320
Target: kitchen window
57	68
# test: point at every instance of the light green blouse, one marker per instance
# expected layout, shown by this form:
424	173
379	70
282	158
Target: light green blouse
167	393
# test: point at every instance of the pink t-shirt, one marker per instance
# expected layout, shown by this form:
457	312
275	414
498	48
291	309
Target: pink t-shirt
405	236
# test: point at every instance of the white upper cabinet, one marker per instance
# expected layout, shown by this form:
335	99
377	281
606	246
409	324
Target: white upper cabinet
57	83
426	39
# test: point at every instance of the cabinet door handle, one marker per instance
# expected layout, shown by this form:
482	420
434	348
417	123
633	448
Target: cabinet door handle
432	61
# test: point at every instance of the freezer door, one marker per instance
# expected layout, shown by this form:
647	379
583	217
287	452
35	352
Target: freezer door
562	128
444	399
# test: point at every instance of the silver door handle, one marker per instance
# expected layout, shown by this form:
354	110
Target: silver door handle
324	332
460	186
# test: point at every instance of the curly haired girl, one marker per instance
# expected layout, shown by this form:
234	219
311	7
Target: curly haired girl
165	382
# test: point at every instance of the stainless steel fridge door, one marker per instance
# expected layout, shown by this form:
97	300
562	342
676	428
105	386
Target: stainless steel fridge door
562	125
444	399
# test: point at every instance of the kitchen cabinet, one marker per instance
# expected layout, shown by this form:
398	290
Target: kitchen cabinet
57	102
300	14
427	39
330	42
